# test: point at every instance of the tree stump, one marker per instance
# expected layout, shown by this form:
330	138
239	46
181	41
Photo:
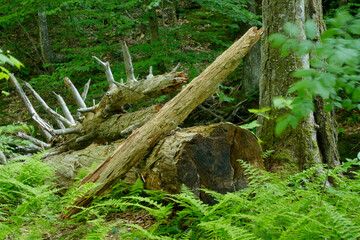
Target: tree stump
201	157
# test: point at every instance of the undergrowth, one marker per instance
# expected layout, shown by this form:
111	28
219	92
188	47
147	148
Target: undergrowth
314	204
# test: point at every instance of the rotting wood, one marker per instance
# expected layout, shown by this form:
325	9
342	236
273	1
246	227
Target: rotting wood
170	116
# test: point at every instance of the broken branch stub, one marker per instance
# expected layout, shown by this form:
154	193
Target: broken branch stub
170	116
86	89
108	73
74	92
128	63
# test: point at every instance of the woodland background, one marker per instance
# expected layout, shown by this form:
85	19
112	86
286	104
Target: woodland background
160	34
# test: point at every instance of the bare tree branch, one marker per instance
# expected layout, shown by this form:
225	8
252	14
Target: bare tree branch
128	63
108	73
66	131
88	109
150	73
74	92
176	68
57	117
37	142
86	89
45	128
64	108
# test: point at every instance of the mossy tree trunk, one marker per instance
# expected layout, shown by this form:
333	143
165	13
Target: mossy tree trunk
314	140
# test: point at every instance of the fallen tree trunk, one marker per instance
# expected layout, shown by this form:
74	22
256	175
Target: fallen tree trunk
170	116
199	157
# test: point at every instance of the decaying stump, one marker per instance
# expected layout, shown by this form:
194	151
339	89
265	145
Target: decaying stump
199	157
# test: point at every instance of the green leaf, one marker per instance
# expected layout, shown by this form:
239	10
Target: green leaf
16	62
277	39
327	79
329	107
311	29
347	103
4	59
302	73
338	104
284	121
288	46
356	94
305	47
281	125
4	75
344	55
251	125
291	29
4	69
281	102
354	28
5	93
319	89
317	63
261	112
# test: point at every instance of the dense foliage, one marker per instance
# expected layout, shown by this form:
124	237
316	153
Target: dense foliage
300	207
334	72
190	32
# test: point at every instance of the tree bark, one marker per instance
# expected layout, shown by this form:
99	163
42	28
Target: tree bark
314	140
153	25
47	51
251	66
171	115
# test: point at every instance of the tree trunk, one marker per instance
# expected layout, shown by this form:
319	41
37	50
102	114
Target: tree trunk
174	9
133	149
153	25
314	140
251	67
46	50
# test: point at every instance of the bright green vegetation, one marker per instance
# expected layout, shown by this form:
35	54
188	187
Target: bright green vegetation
335	67
302	206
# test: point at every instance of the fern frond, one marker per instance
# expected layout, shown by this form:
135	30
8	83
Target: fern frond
225	229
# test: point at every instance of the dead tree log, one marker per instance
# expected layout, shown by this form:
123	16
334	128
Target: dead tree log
199	157
170	116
